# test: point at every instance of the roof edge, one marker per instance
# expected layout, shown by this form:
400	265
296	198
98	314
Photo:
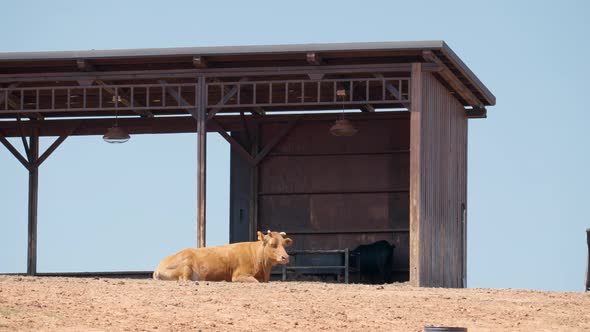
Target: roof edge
462	67
220	50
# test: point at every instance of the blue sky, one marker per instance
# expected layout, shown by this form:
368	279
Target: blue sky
528	162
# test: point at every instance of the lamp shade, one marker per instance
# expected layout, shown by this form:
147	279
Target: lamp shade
343	127
116	134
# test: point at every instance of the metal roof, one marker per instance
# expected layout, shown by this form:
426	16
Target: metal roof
26	59
221	50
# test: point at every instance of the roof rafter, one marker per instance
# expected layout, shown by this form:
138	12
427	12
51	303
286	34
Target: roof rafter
453	81
85	65
200	62
314	58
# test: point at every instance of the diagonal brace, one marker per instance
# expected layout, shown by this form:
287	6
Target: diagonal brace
286	129
260	156
234	144
32	165
232	92
54	146
15	152
23	138
392	89
181	101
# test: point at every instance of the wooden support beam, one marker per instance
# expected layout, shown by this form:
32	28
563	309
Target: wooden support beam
258	110
201	162
260	155
368	108
23	137
254	182
315	76
246	129
355	231
200	62
125	99
415	175
85	82
588	264
270	145
32	164
14	152
393	90
7	99
210	72
453	81
233	143
6	95
181	101
314	58
50	150
226	97
169	124
85	65
33	205
477	113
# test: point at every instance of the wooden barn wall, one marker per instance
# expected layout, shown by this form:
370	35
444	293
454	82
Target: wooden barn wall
240	194
441	188
331	192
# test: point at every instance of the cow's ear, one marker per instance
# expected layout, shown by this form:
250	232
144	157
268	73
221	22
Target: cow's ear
287	242
260	236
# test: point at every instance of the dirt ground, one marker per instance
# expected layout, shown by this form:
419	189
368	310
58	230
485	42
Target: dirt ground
93	304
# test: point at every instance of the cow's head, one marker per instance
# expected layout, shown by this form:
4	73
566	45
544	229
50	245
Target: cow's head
274	246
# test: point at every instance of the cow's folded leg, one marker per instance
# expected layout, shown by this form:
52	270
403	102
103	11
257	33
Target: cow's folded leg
242	278
185	273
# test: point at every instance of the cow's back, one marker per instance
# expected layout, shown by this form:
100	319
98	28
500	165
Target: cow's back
210	264
220	263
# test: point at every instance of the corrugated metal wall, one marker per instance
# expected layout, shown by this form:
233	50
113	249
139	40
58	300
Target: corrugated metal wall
442	186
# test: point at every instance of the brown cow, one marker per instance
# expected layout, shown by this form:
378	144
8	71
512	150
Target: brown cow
244	261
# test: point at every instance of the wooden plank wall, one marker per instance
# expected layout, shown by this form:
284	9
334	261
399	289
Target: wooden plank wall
240	193
342	191
442	188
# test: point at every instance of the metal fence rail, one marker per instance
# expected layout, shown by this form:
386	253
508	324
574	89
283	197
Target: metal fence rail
344	267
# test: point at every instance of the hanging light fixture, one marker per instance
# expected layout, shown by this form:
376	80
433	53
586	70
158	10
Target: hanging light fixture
342	127
116	134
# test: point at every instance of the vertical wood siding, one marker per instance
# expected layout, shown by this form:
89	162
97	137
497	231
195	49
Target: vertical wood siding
353	189
441	189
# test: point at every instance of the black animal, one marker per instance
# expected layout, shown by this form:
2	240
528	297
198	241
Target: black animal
376	262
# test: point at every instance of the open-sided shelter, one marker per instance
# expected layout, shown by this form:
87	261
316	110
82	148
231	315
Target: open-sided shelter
401	176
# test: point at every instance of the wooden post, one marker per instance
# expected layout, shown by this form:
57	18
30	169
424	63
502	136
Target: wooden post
464	245
253	220
201	162
33	203
415	174
346	262
588	265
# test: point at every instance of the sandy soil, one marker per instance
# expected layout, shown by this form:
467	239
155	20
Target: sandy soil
76	304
